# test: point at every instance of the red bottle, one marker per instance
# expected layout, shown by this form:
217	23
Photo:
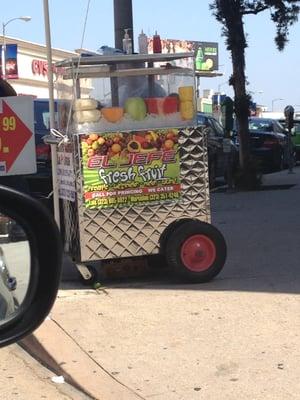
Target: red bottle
156	43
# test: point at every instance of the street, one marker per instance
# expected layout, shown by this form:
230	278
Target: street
236	337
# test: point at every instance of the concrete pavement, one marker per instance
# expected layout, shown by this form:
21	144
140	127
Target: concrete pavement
23	378
236	337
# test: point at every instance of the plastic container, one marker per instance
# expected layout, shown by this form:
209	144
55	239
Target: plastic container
156	43
143	43
127	42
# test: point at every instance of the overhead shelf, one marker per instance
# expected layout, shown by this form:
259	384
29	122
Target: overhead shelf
100	72
122	58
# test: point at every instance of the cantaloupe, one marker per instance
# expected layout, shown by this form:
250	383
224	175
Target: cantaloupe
112	114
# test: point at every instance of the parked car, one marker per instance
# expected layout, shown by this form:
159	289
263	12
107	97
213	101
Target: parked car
215	144
7	304
268	141
10	231
9	281
296	139
40	184
8	284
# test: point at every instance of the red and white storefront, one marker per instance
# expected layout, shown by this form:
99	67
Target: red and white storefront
32	67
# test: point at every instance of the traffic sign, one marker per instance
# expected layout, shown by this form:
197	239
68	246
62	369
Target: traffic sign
17	148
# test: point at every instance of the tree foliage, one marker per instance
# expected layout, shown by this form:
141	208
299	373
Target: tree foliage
231	13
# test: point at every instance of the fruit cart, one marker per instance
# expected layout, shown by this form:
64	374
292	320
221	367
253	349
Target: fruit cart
132	164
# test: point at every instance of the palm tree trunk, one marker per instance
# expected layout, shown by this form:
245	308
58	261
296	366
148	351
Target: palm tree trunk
236	43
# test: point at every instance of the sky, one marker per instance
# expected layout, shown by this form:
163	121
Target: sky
272	75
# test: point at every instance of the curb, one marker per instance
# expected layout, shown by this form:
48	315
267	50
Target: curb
55	349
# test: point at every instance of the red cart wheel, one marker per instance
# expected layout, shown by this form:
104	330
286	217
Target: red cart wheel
196	251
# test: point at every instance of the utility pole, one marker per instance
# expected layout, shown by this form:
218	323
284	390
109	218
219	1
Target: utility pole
123	20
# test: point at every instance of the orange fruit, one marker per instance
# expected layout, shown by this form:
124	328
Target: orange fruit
148	137
93	136
169	144
112	114
116	148
101	140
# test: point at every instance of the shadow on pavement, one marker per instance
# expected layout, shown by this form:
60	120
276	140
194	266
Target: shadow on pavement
261	229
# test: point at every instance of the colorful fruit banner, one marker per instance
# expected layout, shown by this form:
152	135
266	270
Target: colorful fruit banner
130	168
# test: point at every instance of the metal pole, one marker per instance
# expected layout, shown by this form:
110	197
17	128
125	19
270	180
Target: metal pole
3	53
123	19
290	150
52	113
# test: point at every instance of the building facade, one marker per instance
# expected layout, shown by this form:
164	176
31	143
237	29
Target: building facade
30	72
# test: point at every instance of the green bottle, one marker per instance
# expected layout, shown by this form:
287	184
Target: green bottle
199	59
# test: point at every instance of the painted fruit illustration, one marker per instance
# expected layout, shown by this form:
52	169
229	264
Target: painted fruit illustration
209	63
134	146
119	145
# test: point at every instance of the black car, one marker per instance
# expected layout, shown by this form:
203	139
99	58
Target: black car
268	143
216	142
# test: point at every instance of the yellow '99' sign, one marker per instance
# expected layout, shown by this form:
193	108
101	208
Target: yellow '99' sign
8	124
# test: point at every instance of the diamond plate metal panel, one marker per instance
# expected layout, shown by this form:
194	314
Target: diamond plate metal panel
135	231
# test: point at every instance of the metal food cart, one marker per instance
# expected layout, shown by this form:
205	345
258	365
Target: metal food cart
132	164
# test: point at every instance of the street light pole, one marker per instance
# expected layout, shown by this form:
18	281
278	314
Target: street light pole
273	101
52	113
3	50
123	20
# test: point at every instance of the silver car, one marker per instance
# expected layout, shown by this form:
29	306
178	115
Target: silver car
7	285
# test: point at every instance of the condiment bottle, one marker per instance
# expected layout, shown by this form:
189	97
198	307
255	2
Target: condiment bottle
127	42
143	43
156	43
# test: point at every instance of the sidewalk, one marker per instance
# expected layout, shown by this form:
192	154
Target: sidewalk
23	378
233	338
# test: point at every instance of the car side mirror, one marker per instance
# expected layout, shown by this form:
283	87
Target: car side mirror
30	264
